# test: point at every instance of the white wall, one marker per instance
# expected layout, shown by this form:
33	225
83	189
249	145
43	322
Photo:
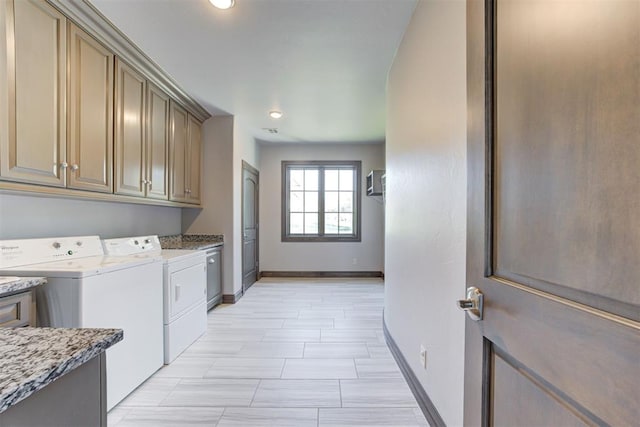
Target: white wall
246	148
336	256
30	216
216	215
226	145
426	199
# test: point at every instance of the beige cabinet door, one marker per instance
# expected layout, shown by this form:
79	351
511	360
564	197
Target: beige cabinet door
130	162
157	142
194	150
32	92
90	154
178	153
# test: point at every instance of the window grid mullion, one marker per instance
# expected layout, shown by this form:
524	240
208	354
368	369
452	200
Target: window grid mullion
321	201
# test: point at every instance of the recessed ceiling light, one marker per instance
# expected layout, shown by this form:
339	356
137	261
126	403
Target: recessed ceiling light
223	4
275	114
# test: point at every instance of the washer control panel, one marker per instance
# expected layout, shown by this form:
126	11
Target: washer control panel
15	253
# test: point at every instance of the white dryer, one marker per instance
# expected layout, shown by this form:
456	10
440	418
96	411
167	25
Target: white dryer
185	289
86	289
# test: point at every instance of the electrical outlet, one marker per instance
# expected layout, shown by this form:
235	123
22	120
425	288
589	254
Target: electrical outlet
354	261
423	357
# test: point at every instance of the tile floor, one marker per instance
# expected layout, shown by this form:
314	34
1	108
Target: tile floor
291	352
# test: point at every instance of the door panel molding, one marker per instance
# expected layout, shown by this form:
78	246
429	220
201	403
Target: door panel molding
250	236
580	347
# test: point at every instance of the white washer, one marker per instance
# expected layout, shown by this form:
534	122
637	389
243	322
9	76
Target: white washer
185	289
86	289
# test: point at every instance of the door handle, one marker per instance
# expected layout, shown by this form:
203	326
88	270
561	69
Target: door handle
473	304
212	261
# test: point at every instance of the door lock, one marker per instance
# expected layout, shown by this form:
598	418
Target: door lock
474	304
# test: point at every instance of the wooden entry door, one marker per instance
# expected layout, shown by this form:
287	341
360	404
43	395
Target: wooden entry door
250	190
554	212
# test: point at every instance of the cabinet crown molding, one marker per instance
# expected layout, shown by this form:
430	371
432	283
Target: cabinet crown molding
90	19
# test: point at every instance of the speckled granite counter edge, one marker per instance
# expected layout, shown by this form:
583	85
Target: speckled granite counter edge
191	241
39	380
19	285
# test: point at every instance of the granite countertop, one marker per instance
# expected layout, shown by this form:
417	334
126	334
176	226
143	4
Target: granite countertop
32	358
19	284
191	241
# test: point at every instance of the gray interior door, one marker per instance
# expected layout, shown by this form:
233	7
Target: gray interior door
250	187
554	212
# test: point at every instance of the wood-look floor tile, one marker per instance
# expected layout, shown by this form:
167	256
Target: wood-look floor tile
347	417
308	323
321	314
357	323
297	393
377	368
211	392
243	356
170	417
292	335
349	335
376	393
232	335
379	351
203	348
115	415
272	349
319	369
335	350
269	417
245	368
151	392
256	323
422	421
186	367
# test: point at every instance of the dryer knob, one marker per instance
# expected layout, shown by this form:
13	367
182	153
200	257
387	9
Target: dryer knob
56	245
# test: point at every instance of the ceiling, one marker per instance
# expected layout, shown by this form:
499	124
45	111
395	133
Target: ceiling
323	63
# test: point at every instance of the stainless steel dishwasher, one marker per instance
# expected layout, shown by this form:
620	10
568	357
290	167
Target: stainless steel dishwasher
214	277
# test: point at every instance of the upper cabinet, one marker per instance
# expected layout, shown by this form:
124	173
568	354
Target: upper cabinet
185	154
157	146
90	155
194	150
129	139
177	154
33	88
84	109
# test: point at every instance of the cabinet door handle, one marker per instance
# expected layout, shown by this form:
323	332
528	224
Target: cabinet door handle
64	165
75	167
178	292
212	261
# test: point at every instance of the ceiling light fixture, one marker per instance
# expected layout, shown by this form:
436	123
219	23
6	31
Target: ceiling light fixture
223	4
275	114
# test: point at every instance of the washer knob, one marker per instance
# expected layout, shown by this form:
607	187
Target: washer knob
56	245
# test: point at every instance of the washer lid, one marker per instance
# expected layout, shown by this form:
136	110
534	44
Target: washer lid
80	267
